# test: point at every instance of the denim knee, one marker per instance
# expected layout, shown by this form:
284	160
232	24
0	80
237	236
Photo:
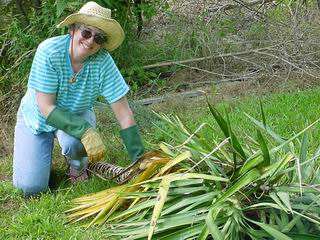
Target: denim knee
31	158
72	148
31	183
31	189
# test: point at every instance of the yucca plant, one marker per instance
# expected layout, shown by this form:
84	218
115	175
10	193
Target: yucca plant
264	188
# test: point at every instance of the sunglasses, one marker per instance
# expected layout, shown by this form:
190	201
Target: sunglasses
98	38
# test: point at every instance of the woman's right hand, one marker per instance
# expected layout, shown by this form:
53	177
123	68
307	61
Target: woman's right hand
72	125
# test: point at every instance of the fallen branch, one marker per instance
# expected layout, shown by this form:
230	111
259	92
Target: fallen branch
200	69
148	101
209	72
229	80
171	63
286	61
188	94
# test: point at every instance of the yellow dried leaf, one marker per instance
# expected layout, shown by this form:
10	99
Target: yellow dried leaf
174	161
161	198
165	149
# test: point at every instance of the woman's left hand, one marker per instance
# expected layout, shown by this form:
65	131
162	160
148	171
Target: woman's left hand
93	144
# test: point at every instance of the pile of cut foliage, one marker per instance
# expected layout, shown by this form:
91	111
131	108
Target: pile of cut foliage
265	187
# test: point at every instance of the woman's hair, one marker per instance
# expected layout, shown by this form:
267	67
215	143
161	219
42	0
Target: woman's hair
74	26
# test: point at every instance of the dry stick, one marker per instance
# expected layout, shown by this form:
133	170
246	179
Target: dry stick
148	101
314	64
289	72
5	43
247	6
247	61
308	54
199	93
286	61
202	70
241	77
227	7
232	6
170	63
229	80
19	60
218	74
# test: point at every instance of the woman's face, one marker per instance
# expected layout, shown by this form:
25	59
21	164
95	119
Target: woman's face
85	41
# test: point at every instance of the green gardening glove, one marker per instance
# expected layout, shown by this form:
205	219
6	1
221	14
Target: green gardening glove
132	140
79	128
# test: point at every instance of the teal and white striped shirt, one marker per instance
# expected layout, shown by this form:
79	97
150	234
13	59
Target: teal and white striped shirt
50	73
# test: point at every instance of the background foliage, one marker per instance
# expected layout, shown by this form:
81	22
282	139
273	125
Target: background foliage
238	42
27	24
158	31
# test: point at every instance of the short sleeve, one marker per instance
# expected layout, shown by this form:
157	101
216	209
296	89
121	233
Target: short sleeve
43	77
113	86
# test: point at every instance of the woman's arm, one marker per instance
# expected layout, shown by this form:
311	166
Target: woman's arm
123	113
72	124
129	130
46	102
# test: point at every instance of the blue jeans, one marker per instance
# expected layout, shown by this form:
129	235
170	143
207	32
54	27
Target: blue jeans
32	155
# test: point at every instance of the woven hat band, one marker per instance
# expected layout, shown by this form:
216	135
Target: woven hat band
94	11
91	8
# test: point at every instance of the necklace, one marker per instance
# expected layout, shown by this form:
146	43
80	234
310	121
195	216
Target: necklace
73	78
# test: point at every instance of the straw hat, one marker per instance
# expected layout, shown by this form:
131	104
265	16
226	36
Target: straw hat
92	14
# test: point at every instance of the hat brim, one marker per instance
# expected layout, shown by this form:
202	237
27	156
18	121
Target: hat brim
110	27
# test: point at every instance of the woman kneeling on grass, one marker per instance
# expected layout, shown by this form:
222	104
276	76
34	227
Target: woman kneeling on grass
68	73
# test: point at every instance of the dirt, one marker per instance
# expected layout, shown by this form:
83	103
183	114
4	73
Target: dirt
8	205
4	177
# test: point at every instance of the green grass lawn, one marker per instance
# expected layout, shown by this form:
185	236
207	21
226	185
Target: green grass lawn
43	217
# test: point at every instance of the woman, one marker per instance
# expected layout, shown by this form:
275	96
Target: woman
68	73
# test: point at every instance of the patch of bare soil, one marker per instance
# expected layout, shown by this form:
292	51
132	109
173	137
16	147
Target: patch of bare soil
5	166
4	177
8	205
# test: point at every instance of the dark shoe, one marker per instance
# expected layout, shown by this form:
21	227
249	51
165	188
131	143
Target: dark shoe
76	176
